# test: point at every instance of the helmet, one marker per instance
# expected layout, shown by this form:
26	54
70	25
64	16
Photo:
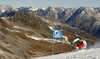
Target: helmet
76	36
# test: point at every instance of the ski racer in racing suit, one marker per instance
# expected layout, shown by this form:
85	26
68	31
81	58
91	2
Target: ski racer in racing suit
82	43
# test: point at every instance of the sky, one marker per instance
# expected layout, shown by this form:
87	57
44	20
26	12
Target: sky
52	3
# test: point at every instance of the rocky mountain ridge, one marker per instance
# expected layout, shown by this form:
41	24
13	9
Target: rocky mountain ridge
84	18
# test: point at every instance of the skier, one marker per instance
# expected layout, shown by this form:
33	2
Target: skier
82	42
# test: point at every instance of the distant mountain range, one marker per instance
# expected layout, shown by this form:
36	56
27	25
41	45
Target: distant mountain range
84	18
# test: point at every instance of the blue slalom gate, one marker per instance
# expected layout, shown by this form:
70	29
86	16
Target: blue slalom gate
57	34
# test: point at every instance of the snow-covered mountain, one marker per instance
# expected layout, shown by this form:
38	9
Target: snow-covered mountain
87	19
84	18
4	9
32	8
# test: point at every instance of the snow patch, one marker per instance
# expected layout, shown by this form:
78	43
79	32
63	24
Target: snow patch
2	17
32	8
66	39
3	10
21	28
42	8
48	39
51	27
17	27
43	39
12	30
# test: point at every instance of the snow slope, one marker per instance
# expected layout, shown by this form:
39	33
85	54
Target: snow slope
92	53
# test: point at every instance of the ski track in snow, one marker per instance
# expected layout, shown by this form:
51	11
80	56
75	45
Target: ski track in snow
93	53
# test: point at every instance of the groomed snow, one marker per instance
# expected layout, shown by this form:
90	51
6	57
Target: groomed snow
92	53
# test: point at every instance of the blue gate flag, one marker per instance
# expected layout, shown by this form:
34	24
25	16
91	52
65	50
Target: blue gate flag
57	34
